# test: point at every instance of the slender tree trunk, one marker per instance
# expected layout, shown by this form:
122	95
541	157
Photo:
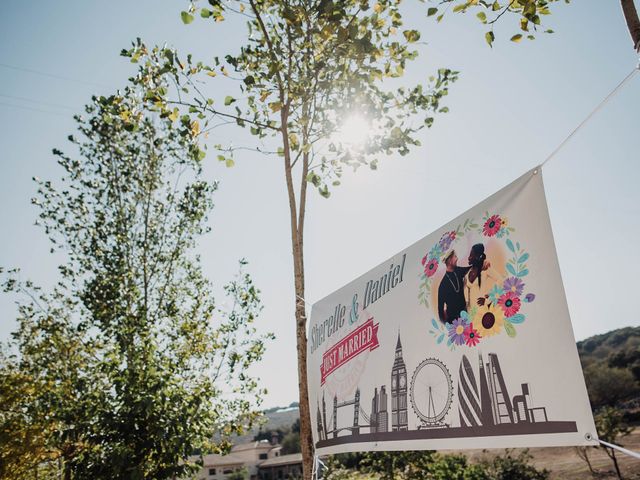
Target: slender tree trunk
297	244
633	23
612	454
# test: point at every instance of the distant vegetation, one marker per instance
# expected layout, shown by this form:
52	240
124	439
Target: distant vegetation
611	364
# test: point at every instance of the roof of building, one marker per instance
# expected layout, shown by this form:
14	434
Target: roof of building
216	460
263	444
240	454
282	460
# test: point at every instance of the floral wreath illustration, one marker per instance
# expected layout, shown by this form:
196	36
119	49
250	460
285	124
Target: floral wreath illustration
502	310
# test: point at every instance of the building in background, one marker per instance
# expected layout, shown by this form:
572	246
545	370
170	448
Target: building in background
259	460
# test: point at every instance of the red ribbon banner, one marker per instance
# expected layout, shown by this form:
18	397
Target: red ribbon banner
363	338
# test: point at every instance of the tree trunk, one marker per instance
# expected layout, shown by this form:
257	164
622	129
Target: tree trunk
297	234
633	23
612	454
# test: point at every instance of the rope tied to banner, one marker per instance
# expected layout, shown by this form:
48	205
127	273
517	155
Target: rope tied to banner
620	449
598	107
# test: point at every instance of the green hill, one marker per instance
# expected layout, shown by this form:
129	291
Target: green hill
611	365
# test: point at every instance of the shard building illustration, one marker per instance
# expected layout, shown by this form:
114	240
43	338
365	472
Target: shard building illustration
486	402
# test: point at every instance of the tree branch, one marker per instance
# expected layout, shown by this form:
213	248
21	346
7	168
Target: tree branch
633	23
222	114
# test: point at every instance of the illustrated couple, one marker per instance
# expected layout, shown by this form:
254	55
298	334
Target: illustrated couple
462	286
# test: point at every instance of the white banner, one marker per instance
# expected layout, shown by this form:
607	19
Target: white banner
462	340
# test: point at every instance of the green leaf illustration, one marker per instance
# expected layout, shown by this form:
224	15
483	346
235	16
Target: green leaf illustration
511	331
510	245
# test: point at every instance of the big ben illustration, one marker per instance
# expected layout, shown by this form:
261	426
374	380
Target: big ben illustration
399	391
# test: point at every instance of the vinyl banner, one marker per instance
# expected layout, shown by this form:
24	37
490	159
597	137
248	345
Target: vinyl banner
462	340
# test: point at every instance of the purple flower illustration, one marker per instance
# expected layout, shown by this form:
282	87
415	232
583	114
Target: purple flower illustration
456	331
513	285
529	297
446	240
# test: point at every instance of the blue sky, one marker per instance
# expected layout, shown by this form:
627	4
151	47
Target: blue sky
511	107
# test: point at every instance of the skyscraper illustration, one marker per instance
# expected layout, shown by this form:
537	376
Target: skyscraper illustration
487	417
485	402
468	396
399	417
502	410
379	419
319	425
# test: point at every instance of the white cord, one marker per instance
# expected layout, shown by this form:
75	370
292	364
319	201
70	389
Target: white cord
593	112
623	450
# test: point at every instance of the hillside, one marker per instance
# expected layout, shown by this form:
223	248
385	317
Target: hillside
611	365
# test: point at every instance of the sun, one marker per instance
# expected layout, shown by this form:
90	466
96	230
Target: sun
354	131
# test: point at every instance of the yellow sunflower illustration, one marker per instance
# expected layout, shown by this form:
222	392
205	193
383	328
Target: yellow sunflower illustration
489	320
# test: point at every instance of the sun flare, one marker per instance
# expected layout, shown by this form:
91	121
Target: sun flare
355	131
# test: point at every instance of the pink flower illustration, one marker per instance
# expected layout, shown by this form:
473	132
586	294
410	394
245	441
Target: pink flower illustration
431	267
492	226
471	336
510	304
424	260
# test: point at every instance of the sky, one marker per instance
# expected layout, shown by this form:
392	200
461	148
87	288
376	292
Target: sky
513	105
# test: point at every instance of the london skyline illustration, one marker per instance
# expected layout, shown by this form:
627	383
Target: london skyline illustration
484	406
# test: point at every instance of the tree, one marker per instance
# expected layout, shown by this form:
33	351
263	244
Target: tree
127	366
611	427
607	386
418	465
305	68
583	454
239	474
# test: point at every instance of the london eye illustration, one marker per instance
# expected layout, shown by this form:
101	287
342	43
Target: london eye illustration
431	393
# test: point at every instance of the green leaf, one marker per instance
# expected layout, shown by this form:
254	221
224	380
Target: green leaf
275	106
482	17
495	7
412	36
511	270
205	13
489	37
229	162
187	18
432	11
228	100
517	318
516	38
459	7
